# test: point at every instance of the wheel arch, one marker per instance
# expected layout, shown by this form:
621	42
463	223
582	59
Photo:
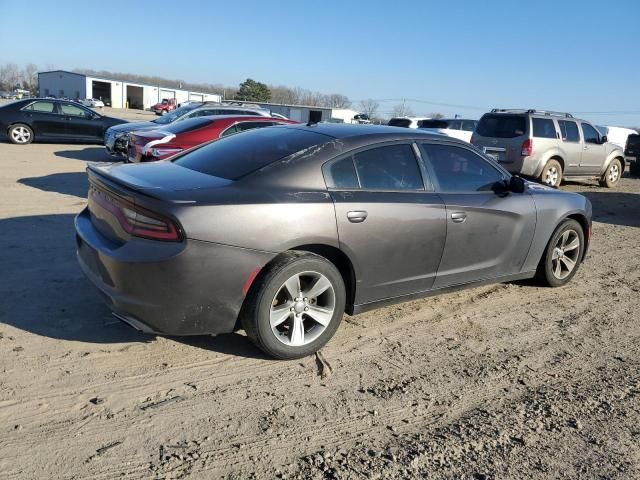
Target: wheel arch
612	157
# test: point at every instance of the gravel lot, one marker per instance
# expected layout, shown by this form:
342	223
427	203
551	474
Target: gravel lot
505	381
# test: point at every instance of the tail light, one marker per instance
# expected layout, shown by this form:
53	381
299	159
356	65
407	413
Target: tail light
137	221
527	148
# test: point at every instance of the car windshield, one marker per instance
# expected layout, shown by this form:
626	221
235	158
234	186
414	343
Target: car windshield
238	155
177	113
501	126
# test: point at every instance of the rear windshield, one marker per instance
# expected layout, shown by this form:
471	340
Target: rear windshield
238	155
433	124
399	122
188	125
501	126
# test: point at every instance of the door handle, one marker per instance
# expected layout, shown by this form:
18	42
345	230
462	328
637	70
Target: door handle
357	216
458	217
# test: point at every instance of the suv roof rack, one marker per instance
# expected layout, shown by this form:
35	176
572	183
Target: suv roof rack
531	110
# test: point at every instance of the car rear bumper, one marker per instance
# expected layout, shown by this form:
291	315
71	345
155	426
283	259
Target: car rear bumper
187	288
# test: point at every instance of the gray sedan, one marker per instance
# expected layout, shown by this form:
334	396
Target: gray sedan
281	230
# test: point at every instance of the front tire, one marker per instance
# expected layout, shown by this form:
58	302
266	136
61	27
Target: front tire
20	134
295	305
563	255
613	174
552	174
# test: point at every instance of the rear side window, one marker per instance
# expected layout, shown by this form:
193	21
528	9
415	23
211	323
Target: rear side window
342	174
239	155
569	131
399	122
543	128
501	126
469	125
435	124
44	107
393	167
590	134
459	170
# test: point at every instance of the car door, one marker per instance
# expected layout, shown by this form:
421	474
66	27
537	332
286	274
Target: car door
571	146
390	222
81	123
489	230
594	152
44	119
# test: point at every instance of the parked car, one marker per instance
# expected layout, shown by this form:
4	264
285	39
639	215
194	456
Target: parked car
632	154
92	102
616	135
152	145
548	146
452	127
406	122
165	106
44	119
281	230
116	139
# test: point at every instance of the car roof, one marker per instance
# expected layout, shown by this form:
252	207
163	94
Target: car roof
352	131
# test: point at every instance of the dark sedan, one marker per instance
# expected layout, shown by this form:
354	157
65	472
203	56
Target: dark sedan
45	119
283	229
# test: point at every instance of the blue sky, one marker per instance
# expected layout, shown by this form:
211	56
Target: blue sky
577	56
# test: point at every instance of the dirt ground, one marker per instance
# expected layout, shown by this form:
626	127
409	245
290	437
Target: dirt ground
506	381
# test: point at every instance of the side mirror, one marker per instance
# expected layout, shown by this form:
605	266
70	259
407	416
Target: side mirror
604	139
517	185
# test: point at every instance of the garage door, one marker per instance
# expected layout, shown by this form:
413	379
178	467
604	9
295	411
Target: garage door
167	94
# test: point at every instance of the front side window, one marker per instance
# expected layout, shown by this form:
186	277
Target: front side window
543	128
590	134
393	167
459	170
569	131
42	107
74	111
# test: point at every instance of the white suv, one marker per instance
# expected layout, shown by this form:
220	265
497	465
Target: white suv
452	127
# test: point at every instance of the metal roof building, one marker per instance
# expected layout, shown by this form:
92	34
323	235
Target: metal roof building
114	93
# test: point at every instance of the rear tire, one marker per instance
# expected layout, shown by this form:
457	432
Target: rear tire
613	174
20	134
164	112
552	174
563	255
284	315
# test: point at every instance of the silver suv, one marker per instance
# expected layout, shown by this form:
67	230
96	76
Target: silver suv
548	146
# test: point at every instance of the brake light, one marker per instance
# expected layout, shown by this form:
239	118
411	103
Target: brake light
527	148
137	221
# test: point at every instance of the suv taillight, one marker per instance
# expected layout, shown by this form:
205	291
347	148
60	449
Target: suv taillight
527	148
136	221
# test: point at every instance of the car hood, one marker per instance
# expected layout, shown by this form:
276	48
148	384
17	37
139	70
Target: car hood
112	121
131	126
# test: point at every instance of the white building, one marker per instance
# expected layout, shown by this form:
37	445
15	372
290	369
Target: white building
116	93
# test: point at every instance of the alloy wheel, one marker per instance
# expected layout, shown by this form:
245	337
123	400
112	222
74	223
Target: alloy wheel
20	134
565	254
302	308
614	173
551	177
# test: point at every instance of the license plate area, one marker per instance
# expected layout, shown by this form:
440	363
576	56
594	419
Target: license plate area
498	154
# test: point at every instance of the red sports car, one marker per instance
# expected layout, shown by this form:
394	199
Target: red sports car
152	145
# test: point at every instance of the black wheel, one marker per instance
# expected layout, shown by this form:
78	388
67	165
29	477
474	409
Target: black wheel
20	134
634	168
563	254
295	305
613	174
552	174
